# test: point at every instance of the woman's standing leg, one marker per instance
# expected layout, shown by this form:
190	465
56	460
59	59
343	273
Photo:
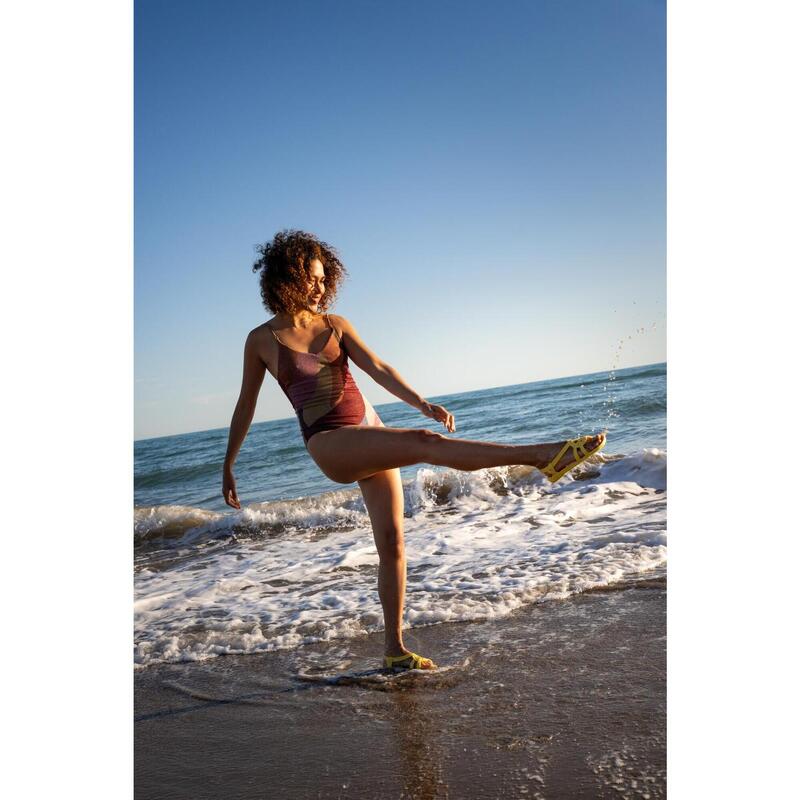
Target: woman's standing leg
383	497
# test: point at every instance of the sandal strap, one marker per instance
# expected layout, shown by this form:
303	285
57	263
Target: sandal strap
579	454
416	660
550	469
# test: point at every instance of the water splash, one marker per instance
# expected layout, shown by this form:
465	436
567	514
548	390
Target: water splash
610	412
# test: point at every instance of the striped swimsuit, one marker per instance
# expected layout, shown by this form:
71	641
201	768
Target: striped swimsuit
320	387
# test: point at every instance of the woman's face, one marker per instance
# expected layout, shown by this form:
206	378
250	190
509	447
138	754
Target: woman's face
316	282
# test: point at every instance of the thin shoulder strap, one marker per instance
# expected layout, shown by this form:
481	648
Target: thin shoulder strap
273	333
327	319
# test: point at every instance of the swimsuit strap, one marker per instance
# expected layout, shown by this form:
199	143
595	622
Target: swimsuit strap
327	320
332	328
274	334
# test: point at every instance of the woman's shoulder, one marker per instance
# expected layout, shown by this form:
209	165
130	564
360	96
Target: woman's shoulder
261	341
340	323
261	330
339	320
262	338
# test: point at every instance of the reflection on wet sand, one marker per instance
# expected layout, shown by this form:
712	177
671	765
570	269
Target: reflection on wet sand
417	739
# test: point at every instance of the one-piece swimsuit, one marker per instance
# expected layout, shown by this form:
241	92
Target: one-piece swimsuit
320	387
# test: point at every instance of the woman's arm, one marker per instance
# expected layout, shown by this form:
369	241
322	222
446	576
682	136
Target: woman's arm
252	378
386	375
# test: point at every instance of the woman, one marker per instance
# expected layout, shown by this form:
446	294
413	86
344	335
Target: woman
306	351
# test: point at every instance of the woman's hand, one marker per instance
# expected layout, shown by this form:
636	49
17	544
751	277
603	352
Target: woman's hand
440	414
229	489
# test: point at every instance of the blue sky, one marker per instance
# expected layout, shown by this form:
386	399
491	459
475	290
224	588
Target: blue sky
493	176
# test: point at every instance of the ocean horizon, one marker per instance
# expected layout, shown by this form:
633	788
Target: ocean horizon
431	398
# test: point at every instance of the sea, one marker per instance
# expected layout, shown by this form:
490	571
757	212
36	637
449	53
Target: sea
297	564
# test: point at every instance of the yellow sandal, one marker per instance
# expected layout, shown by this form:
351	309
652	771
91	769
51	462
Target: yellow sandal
579	454
406	662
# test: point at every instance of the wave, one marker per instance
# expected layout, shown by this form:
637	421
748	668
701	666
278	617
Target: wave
633	407
176	475
479	545
341	509
559	387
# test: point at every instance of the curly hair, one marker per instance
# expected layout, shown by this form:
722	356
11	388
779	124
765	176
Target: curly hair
284	267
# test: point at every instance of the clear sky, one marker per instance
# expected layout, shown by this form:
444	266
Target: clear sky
492	174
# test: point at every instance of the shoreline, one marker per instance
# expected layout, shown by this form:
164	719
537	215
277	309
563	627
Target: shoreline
564	699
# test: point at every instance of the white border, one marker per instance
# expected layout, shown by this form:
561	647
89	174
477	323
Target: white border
67	320
732	241
67	331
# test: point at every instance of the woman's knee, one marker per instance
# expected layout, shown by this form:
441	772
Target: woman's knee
428	436
390	545
429	440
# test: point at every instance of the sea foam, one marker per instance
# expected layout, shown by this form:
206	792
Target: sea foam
479	545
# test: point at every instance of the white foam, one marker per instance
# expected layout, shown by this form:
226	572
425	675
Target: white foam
472	553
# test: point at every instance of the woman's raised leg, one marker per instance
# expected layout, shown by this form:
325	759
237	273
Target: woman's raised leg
383	497
355	452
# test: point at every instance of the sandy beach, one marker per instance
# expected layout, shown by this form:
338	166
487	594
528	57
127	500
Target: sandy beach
561	699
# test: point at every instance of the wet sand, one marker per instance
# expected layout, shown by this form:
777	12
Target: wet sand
562	699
